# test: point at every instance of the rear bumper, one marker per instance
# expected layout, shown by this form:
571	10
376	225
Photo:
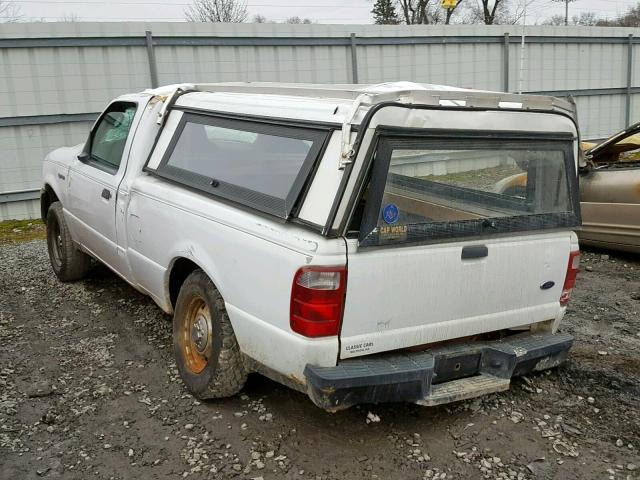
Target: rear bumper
436	376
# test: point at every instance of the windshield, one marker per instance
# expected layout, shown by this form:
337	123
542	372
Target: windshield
442	189
626	150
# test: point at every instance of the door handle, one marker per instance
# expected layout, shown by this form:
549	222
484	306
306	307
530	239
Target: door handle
106	194
474	251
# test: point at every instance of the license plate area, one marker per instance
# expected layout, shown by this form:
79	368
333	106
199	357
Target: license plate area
455	366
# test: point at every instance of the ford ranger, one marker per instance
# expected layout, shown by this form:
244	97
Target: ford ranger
349	241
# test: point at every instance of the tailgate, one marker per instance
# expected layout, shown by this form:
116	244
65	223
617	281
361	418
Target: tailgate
461	233
403	297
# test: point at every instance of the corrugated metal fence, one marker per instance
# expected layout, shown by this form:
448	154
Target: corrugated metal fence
56	77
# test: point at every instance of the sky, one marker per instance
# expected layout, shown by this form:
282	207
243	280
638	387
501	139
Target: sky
320	11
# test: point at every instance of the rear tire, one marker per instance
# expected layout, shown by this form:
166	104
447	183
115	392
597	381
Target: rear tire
67	261
205	347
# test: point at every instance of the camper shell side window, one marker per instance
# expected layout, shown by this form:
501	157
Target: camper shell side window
256	164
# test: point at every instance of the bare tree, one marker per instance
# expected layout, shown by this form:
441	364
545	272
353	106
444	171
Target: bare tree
555	20
69	17
420	12
492	12
293	20
585	19
566	9
298	21
629	19
489	11
414	11
9	12
229	11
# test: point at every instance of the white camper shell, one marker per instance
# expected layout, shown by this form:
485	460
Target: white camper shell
353	242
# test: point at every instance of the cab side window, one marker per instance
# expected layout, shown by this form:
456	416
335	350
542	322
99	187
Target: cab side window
110	135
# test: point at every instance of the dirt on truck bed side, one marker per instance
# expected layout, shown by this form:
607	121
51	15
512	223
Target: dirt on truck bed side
89	389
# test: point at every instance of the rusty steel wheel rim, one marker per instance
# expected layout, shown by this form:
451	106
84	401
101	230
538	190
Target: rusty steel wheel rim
196	335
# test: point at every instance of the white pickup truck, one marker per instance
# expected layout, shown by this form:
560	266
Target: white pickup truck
353	242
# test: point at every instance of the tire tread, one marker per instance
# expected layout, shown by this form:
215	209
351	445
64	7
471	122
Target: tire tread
230	374
75	264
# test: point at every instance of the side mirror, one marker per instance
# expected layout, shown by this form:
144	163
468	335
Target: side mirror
83	157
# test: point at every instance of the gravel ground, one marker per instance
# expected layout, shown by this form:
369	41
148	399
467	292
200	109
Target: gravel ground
89	389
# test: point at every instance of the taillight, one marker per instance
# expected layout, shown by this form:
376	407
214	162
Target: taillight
570	280
317	301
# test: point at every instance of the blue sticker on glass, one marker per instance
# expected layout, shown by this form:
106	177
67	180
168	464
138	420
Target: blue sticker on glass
390	213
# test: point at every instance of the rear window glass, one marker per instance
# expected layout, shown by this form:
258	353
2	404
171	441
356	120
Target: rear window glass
262	166
431	190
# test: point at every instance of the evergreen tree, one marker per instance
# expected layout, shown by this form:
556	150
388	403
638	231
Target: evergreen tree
384	13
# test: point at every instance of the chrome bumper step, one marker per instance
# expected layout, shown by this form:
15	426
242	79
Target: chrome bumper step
464	389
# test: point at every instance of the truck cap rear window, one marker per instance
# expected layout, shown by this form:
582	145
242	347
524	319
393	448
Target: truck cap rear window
438	188
259	165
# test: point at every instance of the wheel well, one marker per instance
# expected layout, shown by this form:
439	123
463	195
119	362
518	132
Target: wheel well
181	269
47	197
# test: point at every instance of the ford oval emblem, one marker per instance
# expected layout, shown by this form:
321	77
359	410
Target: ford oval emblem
547	285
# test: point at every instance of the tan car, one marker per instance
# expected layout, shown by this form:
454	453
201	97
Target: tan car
610	192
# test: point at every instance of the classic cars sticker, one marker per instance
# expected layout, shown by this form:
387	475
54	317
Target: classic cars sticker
359	347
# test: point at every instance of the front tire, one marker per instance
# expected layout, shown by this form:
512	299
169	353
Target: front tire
206	350
67	261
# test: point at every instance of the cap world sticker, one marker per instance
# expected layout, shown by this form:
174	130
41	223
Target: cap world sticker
390	213
393	232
